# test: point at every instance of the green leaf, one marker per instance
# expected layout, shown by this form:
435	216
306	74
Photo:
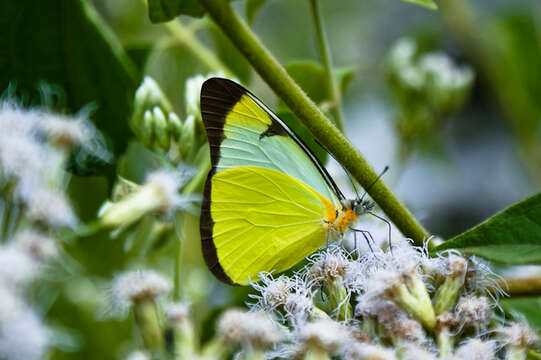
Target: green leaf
512	236
64	43
312	79
305	135
425	3
252	9
229	55
166	10
529	307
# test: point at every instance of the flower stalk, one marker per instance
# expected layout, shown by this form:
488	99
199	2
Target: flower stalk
326	60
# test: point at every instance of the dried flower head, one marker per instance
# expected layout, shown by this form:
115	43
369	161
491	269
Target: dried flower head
518	334
298	307
138	355
133	286
328	265
324	335
253	329
361	351
474	311
274	292
476	349
177	312
23	337
415	352
51	207
18	266
38	245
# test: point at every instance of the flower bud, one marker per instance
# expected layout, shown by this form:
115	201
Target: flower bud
160	129
454	281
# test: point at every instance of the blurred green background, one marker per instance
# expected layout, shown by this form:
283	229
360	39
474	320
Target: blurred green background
470	163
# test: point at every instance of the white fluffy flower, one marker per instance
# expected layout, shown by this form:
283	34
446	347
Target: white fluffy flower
255	329
326	335
133	286
18	266
23	338
476	349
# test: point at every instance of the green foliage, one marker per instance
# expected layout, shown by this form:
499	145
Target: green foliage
64	43
311	78
425	3
229	55
516	32
529	308
166	10
252	9
512	236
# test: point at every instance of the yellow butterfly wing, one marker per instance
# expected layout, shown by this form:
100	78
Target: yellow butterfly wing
263	220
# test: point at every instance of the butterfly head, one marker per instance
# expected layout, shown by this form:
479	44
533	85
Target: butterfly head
362	206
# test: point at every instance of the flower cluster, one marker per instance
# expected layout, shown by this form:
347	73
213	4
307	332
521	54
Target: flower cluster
427	87
35	146
383	304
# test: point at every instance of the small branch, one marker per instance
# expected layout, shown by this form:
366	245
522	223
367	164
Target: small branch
325	54
188	38
283	85
525	286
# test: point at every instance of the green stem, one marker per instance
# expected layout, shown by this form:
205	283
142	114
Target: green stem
187	37
509	92
283	85
178	259
523	286
325	54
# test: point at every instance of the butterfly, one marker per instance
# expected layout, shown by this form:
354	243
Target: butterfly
268	202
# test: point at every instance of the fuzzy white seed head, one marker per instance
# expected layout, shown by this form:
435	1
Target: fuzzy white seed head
254	329
39	246
178	312
51	207
10	304
166	185
326	335
415	352
274	292
448	321
131	287
407	329
476	349
298	307
66	131
480	278
456	265
138	355
362	351
18	266
328	265
518	334
474	311
23	338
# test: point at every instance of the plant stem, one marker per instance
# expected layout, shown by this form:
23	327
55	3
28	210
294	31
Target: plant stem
283	85
187	37
524	286
325	54
519	111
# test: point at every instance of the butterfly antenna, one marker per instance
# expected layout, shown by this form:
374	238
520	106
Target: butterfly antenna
374	182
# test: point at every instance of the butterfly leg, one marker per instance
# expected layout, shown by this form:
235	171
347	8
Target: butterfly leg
368	238
388	226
